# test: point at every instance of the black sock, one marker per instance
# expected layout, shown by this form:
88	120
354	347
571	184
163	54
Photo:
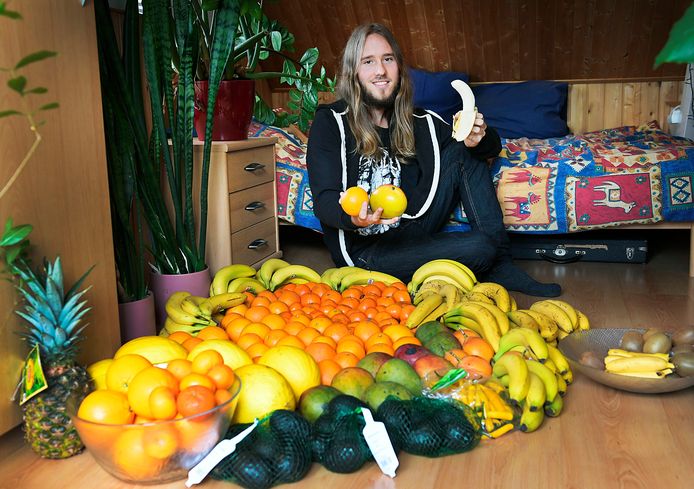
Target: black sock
513	278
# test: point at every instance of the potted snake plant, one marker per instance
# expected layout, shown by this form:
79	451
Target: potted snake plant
256	39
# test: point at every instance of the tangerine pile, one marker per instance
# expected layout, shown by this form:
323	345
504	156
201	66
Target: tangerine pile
336	329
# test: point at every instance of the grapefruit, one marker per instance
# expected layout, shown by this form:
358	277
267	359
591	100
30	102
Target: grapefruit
263	390
156	349
234	356
295	365
391	199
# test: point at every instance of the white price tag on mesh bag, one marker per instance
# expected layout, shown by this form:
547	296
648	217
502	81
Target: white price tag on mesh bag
379	443
221	450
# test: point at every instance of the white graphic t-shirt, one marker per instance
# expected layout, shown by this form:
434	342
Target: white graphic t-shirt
372	174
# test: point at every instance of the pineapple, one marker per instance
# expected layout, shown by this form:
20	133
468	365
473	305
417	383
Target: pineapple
54	325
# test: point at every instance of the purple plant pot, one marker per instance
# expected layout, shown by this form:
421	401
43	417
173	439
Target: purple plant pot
137	318
163	285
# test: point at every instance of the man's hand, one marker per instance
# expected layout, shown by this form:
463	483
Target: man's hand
477	133
367	218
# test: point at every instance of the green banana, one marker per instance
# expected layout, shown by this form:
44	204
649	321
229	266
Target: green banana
537	394
527	338
531	420
220	282
246	284
555	312
461	322
554	407
326	276
546	376
290	272
559	359
496	292
423	309
361	277
513	365
269	267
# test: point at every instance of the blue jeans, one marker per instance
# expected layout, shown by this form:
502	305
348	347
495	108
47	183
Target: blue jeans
400	251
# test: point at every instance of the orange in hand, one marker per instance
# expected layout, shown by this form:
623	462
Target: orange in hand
352	200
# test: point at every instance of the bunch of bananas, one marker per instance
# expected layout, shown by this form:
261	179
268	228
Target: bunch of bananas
190	313
566	317
483	317
433	299
449	271
274	273
235	278
635	364
342	278
492	409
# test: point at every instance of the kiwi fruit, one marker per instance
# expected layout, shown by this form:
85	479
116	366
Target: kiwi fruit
632	341
657	343
684	348
592	360
684	364
684	337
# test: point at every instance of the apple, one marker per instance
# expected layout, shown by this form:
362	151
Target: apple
390	198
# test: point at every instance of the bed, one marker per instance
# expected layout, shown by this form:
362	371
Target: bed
627	176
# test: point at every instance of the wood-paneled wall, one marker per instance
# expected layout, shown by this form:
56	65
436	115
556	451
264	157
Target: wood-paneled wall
500	40
63	191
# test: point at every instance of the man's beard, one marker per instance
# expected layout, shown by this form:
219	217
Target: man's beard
375	103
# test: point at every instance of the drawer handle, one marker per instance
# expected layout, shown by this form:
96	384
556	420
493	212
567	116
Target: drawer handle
254	167
257	243
254	206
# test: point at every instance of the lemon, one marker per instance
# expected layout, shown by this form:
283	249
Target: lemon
263	390
297	366
97	371
156	349
234	356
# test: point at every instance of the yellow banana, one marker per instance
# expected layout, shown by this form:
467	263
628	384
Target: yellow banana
647	375
531	420
550	365
473	296
172	326
486	320
361	277
637	364
559	359
522	319
514	304
190	305
555	312
537	394
336	276
220	282
527	339
436	313
461	322
624	353
554	407
501	318
249	284
561	385
568	309
462	266
548	326
289	272
513	365
546	376
224	301
176	313
583	322
423	309
442	268
496	293
451	296
269	267
326	276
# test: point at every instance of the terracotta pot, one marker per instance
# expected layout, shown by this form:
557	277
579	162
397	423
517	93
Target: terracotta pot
233	109
163	285
137	318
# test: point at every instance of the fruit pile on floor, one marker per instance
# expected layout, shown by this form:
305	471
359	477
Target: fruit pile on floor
297	340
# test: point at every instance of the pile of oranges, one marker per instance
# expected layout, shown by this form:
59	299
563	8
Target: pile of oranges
336	329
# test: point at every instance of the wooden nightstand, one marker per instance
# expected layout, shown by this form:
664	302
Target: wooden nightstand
242	202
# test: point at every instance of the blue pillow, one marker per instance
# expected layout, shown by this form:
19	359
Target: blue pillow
433	91
533	109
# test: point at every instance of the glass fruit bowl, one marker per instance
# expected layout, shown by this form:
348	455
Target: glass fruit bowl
599	340
157	452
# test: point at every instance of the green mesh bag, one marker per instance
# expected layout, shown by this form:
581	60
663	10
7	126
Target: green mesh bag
277	451
337	440
429	427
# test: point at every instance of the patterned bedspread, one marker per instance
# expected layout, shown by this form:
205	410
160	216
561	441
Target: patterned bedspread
606	178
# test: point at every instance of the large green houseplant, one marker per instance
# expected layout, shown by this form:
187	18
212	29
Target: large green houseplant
257	39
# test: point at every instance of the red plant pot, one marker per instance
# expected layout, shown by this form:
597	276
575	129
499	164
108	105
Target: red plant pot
233	109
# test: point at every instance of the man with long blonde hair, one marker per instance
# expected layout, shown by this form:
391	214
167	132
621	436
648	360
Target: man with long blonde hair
373	135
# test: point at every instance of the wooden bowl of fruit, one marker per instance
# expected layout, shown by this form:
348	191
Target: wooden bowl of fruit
635	360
